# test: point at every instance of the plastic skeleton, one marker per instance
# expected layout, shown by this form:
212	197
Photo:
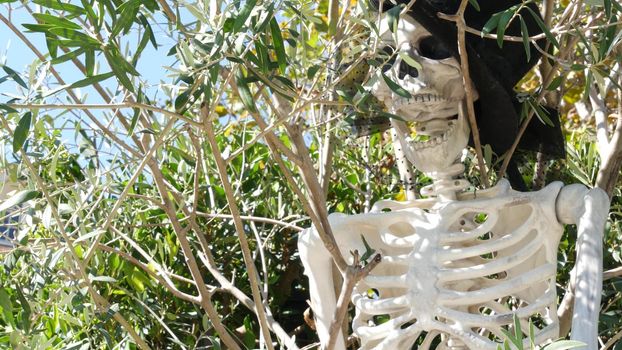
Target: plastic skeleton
457	266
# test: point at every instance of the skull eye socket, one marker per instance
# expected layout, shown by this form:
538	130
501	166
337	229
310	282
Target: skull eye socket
388	56
431	47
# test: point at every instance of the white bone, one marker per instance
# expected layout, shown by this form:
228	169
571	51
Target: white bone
443	272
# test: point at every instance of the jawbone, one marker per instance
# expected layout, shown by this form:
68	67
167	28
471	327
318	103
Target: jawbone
445	135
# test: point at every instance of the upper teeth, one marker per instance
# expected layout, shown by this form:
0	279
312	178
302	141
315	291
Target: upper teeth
419	98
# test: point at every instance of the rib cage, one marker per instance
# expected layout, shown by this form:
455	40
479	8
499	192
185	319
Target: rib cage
452	277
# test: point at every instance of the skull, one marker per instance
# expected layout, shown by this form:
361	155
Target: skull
436	88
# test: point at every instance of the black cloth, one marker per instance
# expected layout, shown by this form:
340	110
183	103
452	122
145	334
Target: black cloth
494	70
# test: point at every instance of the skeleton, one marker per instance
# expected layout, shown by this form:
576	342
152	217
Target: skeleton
456	267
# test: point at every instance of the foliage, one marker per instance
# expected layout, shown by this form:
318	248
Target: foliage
165	215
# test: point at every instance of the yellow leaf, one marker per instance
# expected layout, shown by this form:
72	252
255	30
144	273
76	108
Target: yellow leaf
401	197
221	110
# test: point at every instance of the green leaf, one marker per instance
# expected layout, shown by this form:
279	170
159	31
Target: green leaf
249	334
19	198
369	251
56	21
564	345
91	80
312	71
543	27
148	30
541	113
26	311
475	4
390	116
557	82
607	4
117	68
279	45
245	92
578	67
395	87
69	55
13	74
127	14
89	62
409	60
134	121
181	101
73	34
7	307
61	6
8	109
492	23
504	20
525	34
21	131
243	14
393	17
106	279
518	333
51	41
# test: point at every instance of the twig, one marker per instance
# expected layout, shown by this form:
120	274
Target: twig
545	82
609	274
161	276
353	275
458	18
253	218
610	162
168	11
248	260
70	92
99	300
191	262
612	341
52	106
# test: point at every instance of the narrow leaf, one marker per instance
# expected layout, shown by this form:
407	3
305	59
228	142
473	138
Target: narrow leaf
245	92
8	109
243	15
21	131
504	20
393	17
19	198
89	62
13	74
107	279
542	26
127	14
61	6
475	4
557	82
6	306
525	33
91	80
491	24
409	60
564	345
395	87
279	46
68	56
56	21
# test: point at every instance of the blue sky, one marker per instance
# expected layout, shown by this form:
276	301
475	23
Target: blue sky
16	55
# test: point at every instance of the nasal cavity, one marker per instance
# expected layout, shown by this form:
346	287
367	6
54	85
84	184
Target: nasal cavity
406	69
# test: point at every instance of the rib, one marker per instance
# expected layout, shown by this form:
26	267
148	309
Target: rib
509	287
